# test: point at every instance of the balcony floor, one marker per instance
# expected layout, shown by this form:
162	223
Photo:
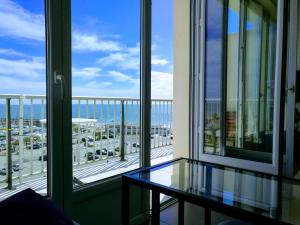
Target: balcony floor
93	171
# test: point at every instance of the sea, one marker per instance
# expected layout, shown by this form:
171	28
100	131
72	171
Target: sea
104	113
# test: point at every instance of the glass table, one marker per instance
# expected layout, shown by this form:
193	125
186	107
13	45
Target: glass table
242	194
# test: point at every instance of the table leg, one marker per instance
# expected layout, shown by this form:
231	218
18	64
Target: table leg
155	208
180	211
207	216
125	201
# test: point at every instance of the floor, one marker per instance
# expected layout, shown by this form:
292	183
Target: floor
93	171
194	215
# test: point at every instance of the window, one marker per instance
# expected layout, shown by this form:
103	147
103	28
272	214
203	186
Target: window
213	75
239	77
23	129
105	88
105	119
250	83
162	81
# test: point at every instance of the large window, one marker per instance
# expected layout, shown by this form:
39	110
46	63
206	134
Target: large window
105	88
105	123
23	130
240	44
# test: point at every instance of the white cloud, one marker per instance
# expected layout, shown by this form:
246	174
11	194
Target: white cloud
105	90
126	59
13	85
92	43
95	84
135	50
131	87
32	69
123	61
129	59
10	52
87	72
17	22
161	85
157	60
118	76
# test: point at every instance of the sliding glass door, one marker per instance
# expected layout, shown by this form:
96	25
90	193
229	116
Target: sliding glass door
240	71
250	82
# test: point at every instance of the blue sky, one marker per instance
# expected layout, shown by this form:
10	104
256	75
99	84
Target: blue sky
105	52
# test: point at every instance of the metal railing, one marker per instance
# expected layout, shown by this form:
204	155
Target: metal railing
103	128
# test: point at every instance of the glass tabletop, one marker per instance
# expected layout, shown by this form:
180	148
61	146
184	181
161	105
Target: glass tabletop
259	193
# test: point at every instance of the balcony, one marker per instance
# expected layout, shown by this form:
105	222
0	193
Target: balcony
105	139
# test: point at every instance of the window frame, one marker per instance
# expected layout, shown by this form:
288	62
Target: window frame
60	143
198	57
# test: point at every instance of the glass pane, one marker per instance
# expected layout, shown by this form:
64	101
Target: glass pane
239	79
105	88
258	193
250	80
23	148
162	81
213	75
233	30
252	73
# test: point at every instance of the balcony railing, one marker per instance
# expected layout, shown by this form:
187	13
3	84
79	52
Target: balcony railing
102	128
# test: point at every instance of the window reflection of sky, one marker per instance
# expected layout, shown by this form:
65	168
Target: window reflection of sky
214	37
162	176
233	22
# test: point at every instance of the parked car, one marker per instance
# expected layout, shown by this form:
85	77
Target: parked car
36	146
90	156
15	167
105	152
45	158
90	144
90	139
3	171
136	145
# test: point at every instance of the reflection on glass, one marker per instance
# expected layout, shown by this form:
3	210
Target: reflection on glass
249	41
105	88
213	75
233	30
23	137
250	109
251	191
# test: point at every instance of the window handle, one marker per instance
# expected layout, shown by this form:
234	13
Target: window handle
59	80
292	89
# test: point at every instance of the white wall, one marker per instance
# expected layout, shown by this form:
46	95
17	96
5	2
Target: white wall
181	77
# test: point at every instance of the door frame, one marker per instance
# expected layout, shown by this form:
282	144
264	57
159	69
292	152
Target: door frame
291	85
